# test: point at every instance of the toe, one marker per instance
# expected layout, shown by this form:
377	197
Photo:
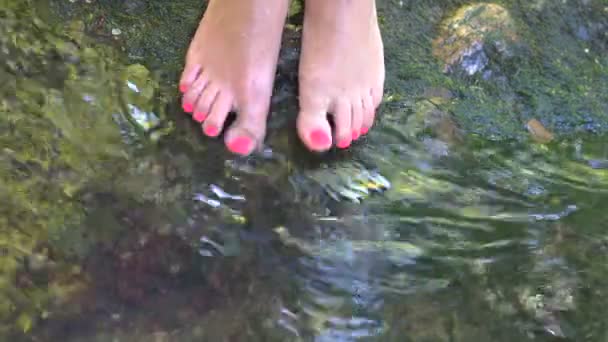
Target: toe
191	97
205	101
248	131
218	113
342	113
357	118
369	111
201	107
189	75
314	129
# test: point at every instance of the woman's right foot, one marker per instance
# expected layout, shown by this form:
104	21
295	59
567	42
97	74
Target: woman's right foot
231	65
341	72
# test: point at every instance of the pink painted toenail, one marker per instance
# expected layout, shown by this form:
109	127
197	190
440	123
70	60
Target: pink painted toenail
364	130
240	145
211	131
344	143
183	88
188	108
199	117
319	138
355	135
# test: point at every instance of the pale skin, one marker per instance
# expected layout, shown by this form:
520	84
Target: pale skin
231	64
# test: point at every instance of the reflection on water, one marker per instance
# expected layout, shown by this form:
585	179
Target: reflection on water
120	225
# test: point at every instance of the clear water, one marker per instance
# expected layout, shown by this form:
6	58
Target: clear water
475	239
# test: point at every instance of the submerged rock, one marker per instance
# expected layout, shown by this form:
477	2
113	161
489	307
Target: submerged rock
67	106
347	181
430	120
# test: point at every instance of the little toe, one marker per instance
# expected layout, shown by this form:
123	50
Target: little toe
189	75
314	129
342	113
357	118
247	132
218	113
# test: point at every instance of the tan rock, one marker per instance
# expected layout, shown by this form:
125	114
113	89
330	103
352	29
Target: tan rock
538	132
464	35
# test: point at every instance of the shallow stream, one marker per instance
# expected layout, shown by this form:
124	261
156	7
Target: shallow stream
475	210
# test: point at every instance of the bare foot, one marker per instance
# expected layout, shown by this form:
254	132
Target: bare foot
341	71
230	65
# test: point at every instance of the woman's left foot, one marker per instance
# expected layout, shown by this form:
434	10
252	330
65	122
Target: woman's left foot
341	72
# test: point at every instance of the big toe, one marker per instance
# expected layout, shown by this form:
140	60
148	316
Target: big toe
247	132
314	130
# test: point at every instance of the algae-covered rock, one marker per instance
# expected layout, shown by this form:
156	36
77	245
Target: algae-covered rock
504	62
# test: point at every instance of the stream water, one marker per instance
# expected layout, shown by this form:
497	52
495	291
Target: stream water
450	222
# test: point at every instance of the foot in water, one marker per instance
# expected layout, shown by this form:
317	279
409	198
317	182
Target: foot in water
341	72
230	65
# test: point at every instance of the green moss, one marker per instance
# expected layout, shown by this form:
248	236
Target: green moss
155	33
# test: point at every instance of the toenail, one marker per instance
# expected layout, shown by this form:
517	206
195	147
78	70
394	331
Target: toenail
183	88
199	117
318	137
364	130
344	143
188	108
240	145
355	135
211	131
